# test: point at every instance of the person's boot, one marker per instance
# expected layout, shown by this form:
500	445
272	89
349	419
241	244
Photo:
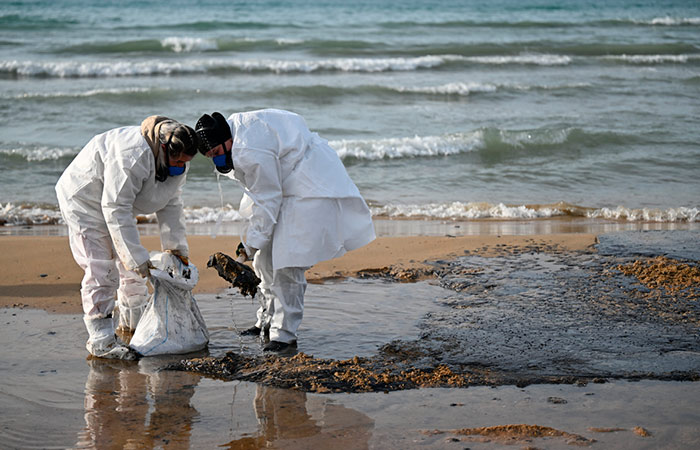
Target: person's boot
102	342
252	331
280	347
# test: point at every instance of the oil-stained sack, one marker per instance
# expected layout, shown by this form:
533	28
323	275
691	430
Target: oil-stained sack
171	323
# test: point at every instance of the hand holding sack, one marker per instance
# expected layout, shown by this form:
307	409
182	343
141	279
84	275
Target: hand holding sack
172	322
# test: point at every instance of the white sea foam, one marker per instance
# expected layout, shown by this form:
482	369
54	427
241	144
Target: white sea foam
89	93
65	69
471	210
11	214
483	210
451	89
188	44
288	41
524	59
465	89
681	214
409	146
41	153
652	59
670	21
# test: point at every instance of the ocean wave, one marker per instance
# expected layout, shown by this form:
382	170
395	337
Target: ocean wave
29	214
89	93
670	21
76	69
40	153
21	22
483	139
43	214
126	68
408	147
202	215
681	214
652	59
186	44
523	59
455	89
484	210
665	21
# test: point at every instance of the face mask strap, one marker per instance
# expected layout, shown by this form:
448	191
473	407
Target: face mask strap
163	172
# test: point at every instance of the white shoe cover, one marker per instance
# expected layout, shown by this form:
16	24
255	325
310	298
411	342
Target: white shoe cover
102	342
130	315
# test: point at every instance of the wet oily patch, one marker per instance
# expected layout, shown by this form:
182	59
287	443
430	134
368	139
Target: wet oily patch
304	372
515	434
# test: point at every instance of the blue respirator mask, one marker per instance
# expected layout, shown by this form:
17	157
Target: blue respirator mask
174	171
162	173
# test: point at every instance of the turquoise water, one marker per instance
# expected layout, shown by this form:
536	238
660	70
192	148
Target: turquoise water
450	109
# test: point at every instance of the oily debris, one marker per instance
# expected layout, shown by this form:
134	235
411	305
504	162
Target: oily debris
666	273
605	429
239	275
642	432
306	373
519	432
380	373
397	273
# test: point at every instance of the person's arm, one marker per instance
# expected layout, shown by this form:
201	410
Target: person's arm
123	180
171	222
262	177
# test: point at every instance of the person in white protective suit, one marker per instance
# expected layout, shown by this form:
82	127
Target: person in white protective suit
119	174
301	206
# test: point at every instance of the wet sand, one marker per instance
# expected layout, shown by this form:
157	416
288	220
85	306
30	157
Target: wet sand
506	316
39	271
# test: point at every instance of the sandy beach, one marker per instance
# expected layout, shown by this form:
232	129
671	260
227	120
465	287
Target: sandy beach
546	331
39	271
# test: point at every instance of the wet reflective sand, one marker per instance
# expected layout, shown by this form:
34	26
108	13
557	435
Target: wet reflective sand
51	396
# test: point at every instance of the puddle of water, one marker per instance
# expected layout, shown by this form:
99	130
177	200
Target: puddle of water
678	244
341	320
52	397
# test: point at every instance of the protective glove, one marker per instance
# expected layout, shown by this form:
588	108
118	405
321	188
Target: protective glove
242	255
144	270
178	254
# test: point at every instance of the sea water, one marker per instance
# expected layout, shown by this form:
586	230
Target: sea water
451	109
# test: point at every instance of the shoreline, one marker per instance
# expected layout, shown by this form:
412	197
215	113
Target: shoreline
39	271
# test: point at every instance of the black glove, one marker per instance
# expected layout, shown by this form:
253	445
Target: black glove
240	249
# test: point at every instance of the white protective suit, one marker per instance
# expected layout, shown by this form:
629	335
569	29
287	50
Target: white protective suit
108	183
301	206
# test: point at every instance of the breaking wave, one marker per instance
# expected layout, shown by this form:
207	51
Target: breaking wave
109	92
482	210
126	68
43	214
652	59
483	139
39	153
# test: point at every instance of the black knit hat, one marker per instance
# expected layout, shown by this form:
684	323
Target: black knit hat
212	131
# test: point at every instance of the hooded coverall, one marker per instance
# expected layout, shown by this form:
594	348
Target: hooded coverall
108	183
301	206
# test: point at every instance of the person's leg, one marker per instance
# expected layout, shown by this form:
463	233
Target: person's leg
288	288
132	297
262	265
93	253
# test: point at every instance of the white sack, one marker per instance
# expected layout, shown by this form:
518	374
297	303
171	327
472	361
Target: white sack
171	323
